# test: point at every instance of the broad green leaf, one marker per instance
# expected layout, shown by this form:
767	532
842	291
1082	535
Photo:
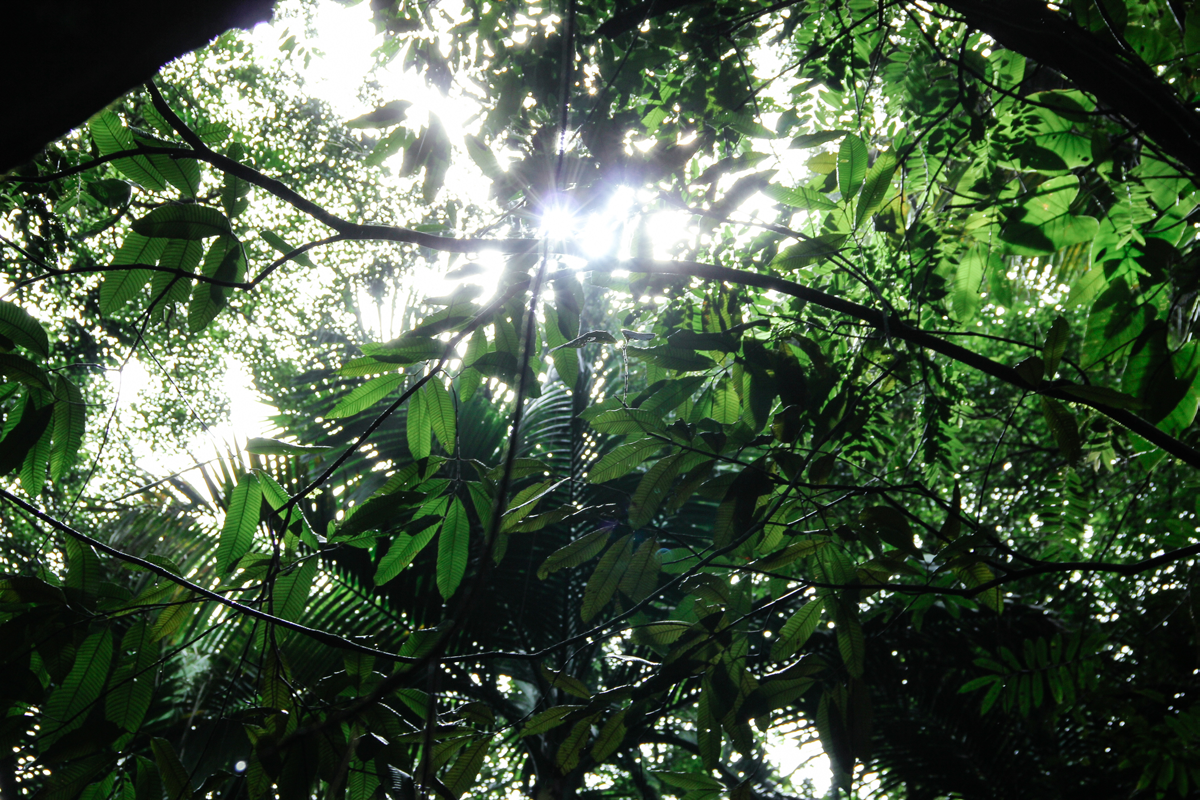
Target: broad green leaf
591	337
672	358
33	469
461	776
111	136
263	446
72	700
851	642
439	407
798	628
174	775
225	261
402	551
405	350
691	781
417	428
20	369
120	286
292	588
726	404
367	395
18	325
876	186
800	197
574	554
389	145
453	548
567	683
547	720
625	421
793	552
1056	345
623	459
133	682
661	633
180	254
664	396
851	165
965	297
652	490
606	577
191	221
70	417
241	521
641	576
1063	428
809	252
1043	223
571	749
284	247
610	737
385	116
816	139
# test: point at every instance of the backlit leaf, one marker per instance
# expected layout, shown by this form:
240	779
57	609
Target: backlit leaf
453	548
241	521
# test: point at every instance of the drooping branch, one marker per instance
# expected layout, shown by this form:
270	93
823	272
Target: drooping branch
893	327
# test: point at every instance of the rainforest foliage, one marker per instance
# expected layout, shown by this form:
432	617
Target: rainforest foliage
808	371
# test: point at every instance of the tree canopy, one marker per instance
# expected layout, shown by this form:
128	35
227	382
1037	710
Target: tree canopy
816	371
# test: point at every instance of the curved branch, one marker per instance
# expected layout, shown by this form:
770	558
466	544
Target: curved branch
324	637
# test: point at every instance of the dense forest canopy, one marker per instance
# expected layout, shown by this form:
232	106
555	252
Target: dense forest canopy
654	384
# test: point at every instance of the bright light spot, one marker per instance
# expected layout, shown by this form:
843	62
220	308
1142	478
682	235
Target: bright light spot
559	222
240	766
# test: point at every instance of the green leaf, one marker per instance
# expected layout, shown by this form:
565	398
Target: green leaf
402	551
661	633
461	776
263	446
33	469
1043	224
625	421
365	396
672	358
453	549
851	165
610	737
1056	345
571	749
1063	428
111	136
225	261
602	585
851	642
189	221
70	417
284	247
292	589
965	297
577	552
70	702
385	116
641	576
623	459
652	490
22	370
876	186
170	768
417	427
800	197
18	325
591	337
439	407
548	720
809	252
133	682
179	254
241	521
816	139
797	630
